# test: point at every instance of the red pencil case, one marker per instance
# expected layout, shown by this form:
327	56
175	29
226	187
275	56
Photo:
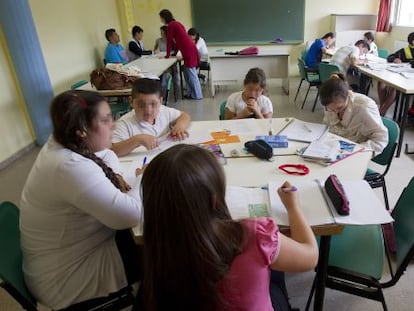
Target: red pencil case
336	193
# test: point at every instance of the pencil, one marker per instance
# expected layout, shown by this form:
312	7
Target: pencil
289	189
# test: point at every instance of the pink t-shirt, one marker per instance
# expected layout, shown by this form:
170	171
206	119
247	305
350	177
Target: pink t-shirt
246	285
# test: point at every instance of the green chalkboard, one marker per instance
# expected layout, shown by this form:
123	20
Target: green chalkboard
249	20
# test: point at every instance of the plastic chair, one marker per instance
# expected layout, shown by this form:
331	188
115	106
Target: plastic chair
360	276
11	272
78	84
168	89
384	159
206	67
11	258
222	115
325	71
311	77
383	53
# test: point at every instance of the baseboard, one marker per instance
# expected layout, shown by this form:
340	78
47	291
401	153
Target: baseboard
16	156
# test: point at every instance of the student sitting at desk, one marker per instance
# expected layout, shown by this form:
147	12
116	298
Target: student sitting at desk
387	94
74	207
369	37
319	47
114	52
161	42
196	257
135	45
202	50
250	103
176	32
347	57
352	115
148	121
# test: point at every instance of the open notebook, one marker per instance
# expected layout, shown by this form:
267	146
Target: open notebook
298	130
365	207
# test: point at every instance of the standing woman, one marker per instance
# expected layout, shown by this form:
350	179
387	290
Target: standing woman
176	32
74	208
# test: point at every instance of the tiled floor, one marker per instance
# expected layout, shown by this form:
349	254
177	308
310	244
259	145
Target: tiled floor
399	297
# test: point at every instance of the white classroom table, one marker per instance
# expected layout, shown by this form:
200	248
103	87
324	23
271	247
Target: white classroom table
250	171
403	85
231	68
150	65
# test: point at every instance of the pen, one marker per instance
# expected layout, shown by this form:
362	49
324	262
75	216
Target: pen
307	128
289	189
270	127
144	161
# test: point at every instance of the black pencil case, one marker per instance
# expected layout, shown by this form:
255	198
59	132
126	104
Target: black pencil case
336	193
260	149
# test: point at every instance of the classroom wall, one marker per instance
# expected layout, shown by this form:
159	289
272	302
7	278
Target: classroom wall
317	20
386	40
146	14
72	36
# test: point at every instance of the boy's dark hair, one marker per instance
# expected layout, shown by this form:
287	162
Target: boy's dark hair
146	86
136	29
328	35
255	75
369	36
166	15
109	32
410	38
364	44
164	28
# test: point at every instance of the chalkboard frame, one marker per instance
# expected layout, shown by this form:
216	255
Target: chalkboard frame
235	22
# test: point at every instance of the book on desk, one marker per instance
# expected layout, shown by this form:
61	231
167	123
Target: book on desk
302	131
365	207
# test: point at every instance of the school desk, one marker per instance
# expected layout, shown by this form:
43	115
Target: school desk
252	172
150	65
231	68
403	85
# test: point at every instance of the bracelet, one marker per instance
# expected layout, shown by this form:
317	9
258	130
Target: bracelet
299	169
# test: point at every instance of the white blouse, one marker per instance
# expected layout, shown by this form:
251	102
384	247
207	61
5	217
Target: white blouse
69	215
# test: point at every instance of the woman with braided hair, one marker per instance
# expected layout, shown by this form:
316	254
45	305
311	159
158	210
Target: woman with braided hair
75	207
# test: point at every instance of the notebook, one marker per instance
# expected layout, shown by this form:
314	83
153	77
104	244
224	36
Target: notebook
302	131
365	207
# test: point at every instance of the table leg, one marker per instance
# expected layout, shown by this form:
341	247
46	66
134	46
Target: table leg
181	79
403	121
321	272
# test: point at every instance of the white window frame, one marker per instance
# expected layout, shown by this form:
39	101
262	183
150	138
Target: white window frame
402	18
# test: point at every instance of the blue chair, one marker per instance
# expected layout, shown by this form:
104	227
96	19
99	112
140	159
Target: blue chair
377	179
222	115
383	53
11	273
311	77
361	275
78	84
168	89
325	71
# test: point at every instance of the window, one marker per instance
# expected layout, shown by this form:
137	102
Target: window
403	13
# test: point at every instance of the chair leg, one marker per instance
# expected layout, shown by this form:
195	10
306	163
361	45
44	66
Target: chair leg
308	302
306	96
316	100
297	92
384	190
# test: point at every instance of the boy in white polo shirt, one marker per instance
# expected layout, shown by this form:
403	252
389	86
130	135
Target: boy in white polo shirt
148	121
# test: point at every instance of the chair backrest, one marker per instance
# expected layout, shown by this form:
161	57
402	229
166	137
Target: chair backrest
302	68
78	84
383	53
303	54
222	110
11	256
325	71
403	215
386	156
